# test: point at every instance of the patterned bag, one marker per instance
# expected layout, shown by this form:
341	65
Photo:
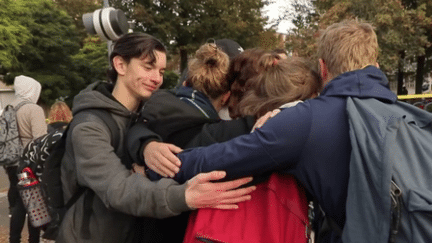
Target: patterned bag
10	142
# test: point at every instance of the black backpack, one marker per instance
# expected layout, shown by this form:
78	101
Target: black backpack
44	156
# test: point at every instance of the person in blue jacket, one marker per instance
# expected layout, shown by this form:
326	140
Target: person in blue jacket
310	140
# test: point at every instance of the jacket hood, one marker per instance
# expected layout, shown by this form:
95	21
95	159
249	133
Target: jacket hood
98	96
369	82
27	88
198	100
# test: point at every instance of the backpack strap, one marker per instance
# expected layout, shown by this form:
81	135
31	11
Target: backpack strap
107	118
54	188
21	104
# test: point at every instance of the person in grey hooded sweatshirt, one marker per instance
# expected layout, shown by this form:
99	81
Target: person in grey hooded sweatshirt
31	125
138	63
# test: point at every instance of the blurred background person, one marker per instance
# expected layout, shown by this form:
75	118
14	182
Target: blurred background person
59	116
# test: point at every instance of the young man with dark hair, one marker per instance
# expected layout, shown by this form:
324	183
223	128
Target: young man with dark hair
138	63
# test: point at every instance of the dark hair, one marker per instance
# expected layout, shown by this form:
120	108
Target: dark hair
242	68
134	45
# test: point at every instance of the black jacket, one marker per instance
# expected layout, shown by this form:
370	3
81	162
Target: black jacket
185	118
165	117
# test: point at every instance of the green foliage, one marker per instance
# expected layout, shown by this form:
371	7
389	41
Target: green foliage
401	26
184	25
76	9
302	38
46	54
91	62
170	80
49	49
270	40
13	35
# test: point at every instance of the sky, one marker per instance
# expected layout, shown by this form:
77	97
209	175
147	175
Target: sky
276	9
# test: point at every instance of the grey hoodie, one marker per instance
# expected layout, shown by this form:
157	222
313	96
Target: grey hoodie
90	161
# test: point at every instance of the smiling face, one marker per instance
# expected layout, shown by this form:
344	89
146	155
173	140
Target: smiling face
143	77
140	77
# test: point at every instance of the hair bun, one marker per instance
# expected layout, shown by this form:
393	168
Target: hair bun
211	62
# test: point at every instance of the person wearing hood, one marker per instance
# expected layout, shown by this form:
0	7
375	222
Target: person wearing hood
138	62
310	140
31	125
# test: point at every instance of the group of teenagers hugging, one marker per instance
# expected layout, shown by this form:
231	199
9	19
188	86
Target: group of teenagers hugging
183	174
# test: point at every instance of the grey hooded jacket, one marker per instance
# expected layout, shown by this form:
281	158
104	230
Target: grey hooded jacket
91	161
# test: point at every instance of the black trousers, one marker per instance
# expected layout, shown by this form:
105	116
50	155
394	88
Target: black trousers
13	194
18	211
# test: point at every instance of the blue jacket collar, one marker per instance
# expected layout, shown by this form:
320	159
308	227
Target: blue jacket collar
369	82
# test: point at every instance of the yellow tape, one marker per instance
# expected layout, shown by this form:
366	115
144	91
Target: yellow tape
415	96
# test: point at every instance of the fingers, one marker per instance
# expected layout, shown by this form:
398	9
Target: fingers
230	185
207	177
160	168
226	206
275	112
262	120
160	158
175	149
170	155
167	167
138	169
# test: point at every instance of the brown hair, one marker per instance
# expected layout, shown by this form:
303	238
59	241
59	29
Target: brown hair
59	112
279	82
208	70
242	68
347	46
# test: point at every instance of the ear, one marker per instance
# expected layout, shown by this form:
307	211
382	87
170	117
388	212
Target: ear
323	70
225	98
120	65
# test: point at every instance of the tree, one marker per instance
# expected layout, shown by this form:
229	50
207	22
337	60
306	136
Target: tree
301	39
403	29
184	25
91	62
46	54
13	34
76	9
270	40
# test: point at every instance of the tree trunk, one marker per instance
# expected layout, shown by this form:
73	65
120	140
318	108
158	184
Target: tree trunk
419	74
183	59
400	73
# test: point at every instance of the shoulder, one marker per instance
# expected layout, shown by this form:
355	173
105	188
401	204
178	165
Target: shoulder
31	110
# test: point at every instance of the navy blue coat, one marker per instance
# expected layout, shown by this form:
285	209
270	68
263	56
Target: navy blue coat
310	141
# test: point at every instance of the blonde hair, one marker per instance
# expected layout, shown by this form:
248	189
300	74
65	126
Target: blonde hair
347	46
208	70
279	81
59	112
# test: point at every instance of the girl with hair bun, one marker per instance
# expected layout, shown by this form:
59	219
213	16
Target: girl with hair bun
177	117
207	75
